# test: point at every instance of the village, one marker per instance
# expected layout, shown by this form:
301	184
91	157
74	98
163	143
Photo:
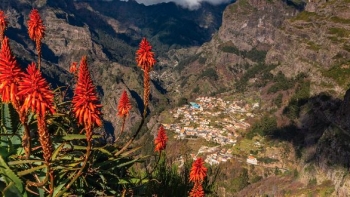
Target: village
215	120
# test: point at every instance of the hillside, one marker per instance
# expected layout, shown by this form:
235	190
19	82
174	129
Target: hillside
108	32
312	42
296	58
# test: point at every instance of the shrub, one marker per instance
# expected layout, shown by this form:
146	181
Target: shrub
299	99
265	126
254	54
210	73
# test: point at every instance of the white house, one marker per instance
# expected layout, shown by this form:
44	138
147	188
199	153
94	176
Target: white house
252	160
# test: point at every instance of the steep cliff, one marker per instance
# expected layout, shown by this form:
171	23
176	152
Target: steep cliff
296	59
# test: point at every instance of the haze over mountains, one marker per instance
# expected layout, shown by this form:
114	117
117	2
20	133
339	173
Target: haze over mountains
190	4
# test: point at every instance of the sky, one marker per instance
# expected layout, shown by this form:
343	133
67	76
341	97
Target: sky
190	4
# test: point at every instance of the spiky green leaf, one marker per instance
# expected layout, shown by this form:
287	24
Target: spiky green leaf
10	176
31	170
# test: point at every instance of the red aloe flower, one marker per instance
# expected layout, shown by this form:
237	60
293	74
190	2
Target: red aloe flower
10	74
35	26
145	60
3	24
36	30
73	68
36	92
198	171
124	105
161	139
197	191
145	57
86	105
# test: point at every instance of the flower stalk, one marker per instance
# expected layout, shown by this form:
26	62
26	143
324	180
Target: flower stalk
145	60
197	174
86	109
124	107
161	140
39	99
36	30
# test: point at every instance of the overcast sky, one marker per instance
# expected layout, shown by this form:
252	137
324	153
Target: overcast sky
191	4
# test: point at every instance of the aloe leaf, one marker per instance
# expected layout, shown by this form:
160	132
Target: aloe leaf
57	150
11	163
127	163
7	118
133	181
10	176
130	151
77	137
105	151
24	172
76	147
12	190
59	187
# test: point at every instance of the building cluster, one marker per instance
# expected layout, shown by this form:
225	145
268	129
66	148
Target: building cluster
216	157
212	119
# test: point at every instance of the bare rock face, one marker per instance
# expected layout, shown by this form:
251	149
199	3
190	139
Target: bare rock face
69	42
314	42
252	23
247	26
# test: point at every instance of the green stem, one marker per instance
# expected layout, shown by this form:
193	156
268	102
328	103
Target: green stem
78	174
132	138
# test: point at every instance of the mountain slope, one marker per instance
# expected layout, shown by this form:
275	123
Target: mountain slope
296	60
108	32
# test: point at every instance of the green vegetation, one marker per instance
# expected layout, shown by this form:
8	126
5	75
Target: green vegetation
300	98
210	73
196	89
182	101
259	71
305	16
313	46
202	60
230	49
254	54
340	74
245	147
242	5
336	19
346	47
339	32
241	181
312	182
185	62
281	83
265	126
267	160
278	100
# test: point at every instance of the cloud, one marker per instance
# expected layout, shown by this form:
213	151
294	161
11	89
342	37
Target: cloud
190	4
